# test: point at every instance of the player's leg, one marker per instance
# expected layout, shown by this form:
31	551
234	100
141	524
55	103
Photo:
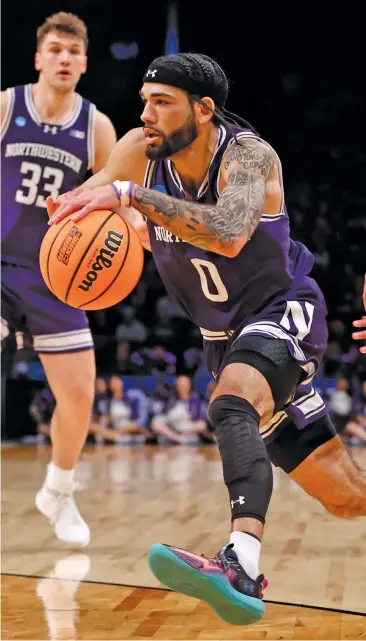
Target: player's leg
316	458
259	377
11	315
62	339
71	377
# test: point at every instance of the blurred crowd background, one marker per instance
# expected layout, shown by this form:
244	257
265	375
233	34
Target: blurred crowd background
300	88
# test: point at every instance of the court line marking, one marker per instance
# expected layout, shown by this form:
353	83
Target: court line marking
144	587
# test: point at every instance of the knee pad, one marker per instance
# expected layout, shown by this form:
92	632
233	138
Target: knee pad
270	356
236	426
246	467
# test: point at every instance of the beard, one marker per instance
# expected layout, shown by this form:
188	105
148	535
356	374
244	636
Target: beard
174	142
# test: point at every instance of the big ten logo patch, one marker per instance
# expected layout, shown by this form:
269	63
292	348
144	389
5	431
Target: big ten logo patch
69	244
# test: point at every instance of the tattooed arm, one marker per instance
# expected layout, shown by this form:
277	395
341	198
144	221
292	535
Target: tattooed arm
223	228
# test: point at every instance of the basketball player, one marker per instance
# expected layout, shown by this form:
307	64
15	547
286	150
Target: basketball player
219	232
51	138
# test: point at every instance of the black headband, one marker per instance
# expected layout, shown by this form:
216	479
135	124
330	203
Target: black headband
201	88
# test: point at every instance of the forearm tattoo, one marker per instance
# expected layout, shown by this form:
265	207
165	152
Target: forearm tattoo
237	213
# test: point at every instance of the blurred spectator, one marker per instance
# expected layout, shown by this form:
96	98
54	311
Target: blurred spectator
99	426
128	412
101	400
41	410
167	307
153	360
340	405
131	330
160	398
163	331
356	428
208	436
193	363
182	419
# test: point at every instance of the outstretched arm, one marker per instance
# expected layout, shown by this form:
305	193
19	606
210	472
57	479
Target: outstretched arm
226	227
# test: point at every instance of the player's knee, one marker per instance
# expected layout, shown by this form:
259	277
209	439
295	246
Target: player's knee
77	390
238	379
246	467
236	423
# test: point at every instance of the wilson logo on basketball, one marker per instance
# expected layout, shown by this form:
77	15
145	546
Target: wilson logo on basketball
69	244
103	260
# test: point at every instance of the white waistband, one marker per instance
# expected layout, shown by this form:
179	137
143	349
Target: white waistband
208	335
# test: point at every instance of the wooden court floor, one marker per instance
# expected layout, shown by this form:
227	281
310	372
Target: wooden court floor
135	496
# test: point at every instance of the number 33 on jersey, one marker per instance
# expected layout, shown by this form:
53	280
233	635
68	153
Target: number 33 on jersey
38	160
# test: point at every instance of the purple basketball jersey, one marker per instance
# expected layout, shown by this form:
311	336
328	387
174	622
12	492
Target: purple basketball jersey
38	160
216	292
265	290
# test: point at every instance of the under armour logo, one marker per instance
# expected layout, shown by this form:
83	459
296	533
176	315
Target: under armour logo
151	73
240	500
48	128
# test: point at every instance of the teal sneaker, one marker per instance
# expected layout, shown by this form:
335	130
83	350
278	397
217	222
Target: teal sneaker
220	582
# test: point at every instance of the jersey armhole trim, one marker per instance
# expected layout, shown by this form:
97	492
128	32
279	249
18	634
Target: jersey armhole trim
91	136
9	112
148	176
149	173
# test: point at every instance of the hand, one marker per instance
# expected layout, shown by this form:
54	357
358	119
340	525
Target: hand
54	203
82	202
359	336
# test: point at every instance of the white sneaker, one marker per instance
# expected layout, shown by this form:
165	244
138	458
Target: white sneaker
62	512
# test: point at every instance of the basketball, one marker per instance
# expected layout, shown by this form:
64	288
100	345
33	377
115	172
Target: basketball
94	263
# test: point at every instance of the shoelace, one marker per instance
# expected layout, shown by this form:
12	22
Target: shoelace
223	563
62	499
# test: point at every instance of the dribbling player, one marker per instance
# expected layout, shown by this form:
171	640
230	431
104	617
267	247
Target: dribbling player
51	137
219	232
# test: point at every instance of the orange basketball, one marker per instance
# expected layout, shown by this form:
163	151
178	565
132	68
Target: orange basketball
94	263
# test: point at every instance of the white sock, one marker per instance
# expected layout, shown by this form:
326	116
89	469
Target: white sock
247	549
58	479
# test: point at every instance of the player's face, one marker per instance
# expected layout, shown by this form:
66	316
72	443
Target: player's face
61	59
169	120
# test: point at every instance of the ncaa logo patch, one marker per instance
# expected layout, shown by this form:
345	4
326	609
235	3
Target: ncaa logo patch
20	121
75	133
160	188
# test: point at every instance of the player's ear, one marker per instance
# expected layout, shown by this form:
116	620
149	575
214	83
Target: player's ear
37	61
204	114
